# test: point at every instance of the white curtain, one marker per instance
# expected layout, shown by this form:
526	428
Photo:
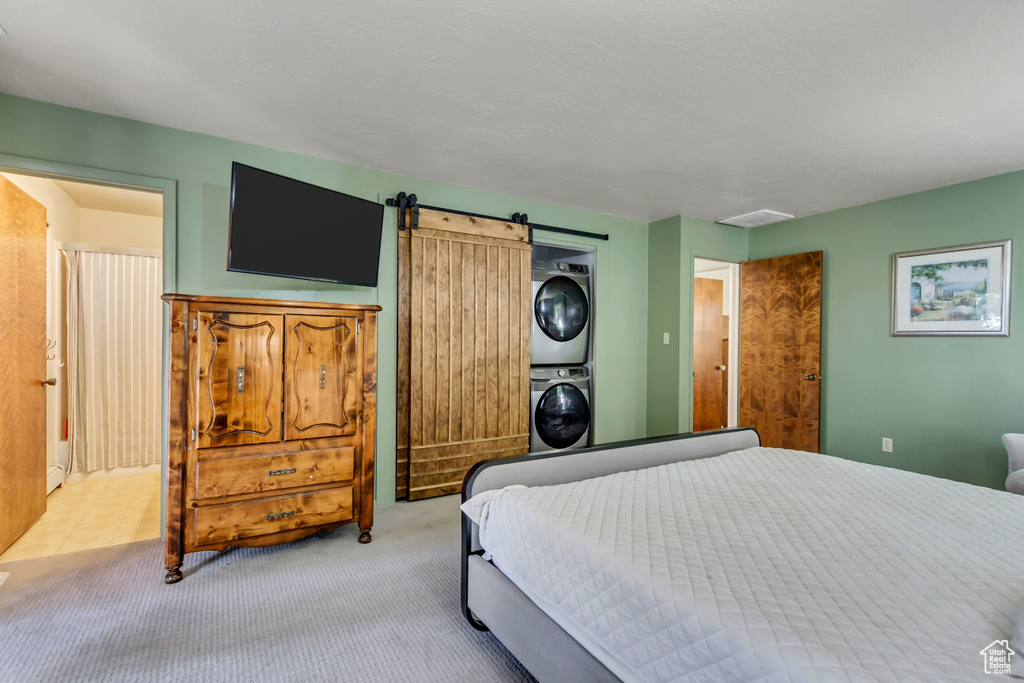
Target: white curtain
114	322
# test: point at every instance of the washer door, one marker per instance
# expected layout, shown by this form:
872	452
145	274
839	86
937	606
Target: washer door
562	416
561	308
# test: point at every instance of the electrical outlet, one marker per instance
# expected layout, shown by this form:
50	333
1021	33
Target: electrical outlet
886	445
664	338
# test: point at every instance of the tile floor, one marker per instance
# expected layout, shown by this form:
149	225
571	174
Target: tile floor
94	513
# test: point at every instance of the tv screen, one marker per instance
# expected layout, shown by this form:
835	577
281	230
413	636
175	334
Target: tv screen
285	227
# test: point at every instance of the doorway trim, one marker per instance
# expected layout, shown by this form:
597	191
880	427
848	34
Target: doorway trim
686	379
169	189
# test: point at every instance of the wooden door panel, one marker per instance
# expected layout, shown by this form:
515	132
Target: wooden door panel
725	372
404	359
323	381
23	349
467	348
239	360
780	346
707	350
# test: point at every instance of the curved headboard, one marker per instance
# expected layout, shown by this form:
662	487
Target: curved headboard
566	466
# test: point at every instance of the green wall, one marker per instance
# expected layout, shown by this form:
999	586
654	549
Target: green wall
700	239
945	401
201	167
673	243
663	289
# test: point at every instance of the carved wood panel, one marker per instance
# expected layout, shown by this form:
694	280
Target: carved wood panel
23	350
239	361
323	382
780	350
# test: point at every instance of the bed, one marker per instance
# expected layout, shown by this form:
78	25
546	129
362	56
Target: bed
707	557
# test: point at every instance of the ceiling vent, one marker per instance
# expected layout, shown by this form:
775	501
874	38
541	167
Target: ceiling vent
756	218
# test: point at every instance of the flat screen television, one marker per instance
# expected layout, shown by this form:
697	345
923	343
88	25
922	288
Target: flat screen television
288	228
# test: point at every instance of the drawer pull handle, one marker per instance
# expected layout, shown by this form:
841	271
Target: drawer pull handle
279	515
323	376
274	473
241	379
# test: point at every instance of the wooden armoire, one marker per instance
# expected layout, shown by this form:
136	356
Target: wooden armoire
272	408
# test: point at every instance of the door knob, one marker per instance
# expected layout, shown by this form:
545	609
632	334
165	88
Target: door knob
719	367
811	377
52	382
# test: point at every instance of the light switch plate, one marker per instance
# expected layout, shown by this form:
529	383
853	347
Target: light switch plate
664	338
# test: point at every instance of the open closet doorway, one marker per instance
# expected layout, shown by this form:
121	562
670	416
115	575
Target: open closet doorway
715	344
101	480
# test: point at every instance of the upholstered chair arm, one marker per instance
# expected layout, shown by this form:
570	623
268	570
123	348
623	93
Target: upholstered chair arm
1014	450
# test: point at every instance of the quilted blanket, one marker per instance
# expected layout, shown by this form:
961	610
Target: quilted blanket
768	565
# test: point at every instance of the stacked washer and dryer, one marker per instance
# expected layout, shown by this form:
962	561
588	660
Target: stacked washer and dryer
560	351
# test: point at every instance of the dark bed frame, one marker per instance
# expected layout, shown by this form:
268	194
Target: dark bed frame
492	602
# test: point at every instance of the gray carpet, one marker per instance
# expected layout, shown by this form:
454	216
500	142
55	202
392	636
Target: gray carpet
322	609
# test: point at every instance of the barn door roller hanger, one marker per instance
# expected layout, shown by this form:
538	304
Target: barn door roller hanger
405	202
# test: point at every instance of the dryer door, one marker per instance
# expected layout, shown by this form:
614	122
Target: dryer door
562	416
561	308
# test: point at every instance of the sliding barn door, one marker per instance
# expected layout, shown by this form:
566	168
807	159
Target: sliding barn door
780	350
464	348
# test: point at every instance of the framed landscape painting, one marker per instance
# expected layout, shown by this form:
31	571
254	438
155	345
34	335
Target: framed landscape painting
961	290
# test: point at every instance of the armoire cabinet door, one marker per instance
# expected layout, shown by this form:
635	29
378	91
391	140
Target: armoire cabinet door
323	378
239	359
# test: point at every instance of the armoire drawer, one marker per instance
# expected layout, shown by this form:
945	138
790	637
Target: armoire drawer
225	523
255	474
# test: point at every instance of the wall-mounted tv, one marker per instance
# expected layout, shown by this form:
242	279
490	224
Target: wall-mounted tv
288	228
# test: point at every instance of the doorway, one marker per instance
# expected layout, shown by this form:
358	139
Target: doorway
715	344
104	247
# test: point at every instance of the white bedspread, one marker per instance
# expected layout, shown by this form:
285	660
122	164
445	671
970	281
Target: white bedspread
768	564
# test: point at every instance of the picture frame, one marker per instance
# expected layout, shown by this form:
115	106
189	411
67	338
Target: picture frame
952	291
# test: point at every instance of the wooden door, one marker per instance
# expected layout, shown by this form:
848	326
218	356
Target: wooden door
780	350
725	373
323	376
239	361
466	350
23	349
709	328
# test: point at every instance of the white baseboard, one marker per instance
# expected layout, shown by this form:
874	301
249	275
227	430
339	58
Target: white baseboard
54	478
116	472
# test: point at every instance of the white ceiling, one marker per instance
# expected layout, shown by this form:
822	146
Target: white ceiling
107	198
645	109
701	266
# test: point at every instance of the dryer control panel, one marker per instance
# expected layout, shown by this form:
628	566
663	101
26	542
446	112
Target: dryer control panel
572	267
539	374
